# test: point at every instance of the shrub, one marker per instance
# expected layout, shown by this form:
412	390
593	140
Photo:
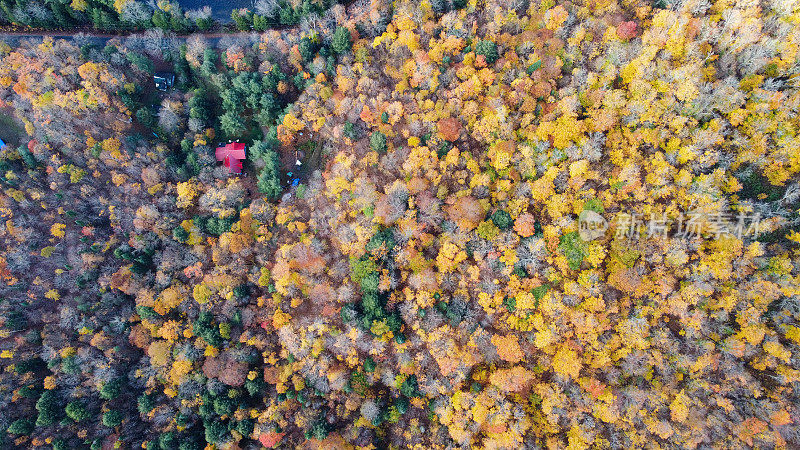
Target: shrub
269	184
402	404
245	427
189	445
146	312
308	48
487	230
216	431
488	49
254	386
223	406
15	320
29	365
382	240
341	40
369	365
28	392
370	304
140	61
243	19
225	330
377	142
76	411
350	130
594	204
145	117
168	440
180	234
145	403
370	282
360	268
348	313
573	248
70	366
111	390
215	226
539	291
502	219
112	418
268	181
204	23
205	328
48	409
21	426
409	387
261	23
319	430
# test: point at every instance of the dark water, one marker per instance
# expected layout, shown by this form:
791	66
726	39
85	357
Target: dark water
11	131
221	10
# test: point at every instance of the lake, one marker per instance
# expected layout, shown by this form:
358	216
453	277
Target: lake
220	10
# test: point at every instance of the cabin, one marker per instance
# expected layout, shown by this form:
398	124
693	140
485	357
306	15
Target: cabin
232	156
164	80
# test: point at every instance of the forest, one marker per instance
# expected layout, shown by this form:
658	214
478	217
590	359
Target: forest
122	16
459	224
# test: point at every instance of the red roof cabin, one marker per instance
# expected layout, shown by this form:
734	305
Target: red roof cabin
231	156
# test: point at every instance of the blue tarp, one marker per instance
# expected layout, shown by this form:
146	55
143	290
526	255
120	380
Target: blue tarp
2	144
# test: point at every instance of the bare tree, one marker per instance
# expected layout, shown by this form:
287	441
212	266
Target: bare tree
136	13
268	8
169	118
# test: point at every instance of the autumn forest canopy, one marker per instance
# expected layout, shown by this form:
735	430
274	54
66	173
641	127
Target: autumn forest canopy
458	223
